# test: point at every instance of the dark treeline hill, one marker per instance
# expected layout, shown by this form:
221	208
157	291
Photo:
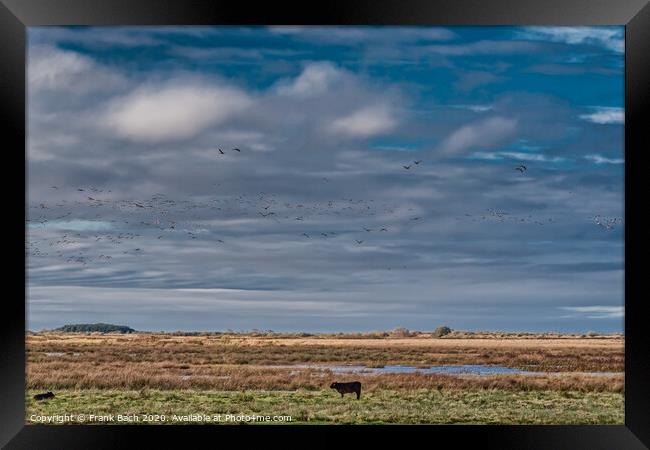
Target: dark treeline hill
100	327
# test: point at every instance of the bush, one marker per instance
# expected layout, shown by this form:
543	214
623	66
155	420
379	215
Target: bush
441	331
401	332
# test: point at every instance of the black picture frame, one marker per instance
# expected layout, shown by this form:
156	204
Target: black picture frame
16	15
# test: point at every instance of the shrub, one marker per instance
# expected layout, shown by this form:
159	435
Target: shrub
441	331
401	332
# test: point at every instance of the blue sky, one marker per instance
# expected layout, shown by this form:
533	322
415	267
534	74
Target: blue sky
324	221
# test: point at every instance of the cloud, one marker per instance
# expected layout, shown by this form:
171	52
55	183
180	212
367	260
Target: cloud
485	47
608	37
154	114
366	35
605	115
309	132
479	134
603	160
366	122
471	80
521	156
75	225
474	108
54	69
597	312
315	79
99	38
573	68
231	54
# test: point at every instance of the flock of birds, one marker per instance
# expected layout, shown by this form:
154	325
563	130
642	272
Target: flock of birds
161	217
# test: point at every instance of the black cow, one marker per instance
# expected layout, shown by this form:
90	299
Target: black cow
353	387
43	396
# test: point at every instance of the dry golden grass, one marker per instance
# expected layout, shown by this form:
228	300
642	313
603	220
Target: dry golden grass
236	362
547	355
238	378
73	365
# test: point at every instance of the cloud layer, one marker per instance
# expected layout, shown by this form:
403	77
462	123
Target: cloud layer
375	183
176	111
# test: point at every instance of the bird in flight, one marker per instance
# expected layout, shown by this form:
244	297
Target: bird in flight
407	167
417	162
236	150
358	242
305	234
221	152
521	168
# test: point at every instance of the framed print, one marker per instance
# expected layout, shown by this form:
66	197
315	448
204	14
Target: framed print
359	215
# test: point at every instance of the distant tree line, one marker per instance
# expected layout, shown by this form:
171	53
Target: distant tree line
95	327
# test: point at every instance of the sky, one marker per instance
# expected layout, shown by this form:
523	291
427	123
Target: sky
384	177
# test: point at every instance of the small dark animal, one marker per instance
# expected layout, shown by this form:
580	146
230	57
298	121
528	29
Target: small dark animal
43	396
353	387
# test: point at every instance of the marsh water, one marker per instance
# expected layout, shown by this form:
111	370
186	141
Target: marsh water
468	369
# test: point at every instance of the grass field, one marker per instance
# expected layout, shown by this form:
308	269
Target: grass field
223	374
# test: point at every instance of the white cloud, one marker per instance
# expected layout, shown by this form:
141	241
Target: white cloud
51	68
366	122
597	312
521	156
486	132
315	79
605	115
64	70
603	160
607	37
486	47
163	113
474	108
76	225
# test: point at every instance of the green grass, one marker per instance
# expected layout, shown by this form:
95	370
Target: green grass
492	406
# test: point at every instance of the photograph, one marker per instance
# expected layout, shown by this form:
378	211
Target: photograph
325	224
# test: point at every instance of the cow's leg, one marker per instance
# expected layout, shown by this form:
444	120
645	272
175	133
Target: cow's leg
341	394
358	394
